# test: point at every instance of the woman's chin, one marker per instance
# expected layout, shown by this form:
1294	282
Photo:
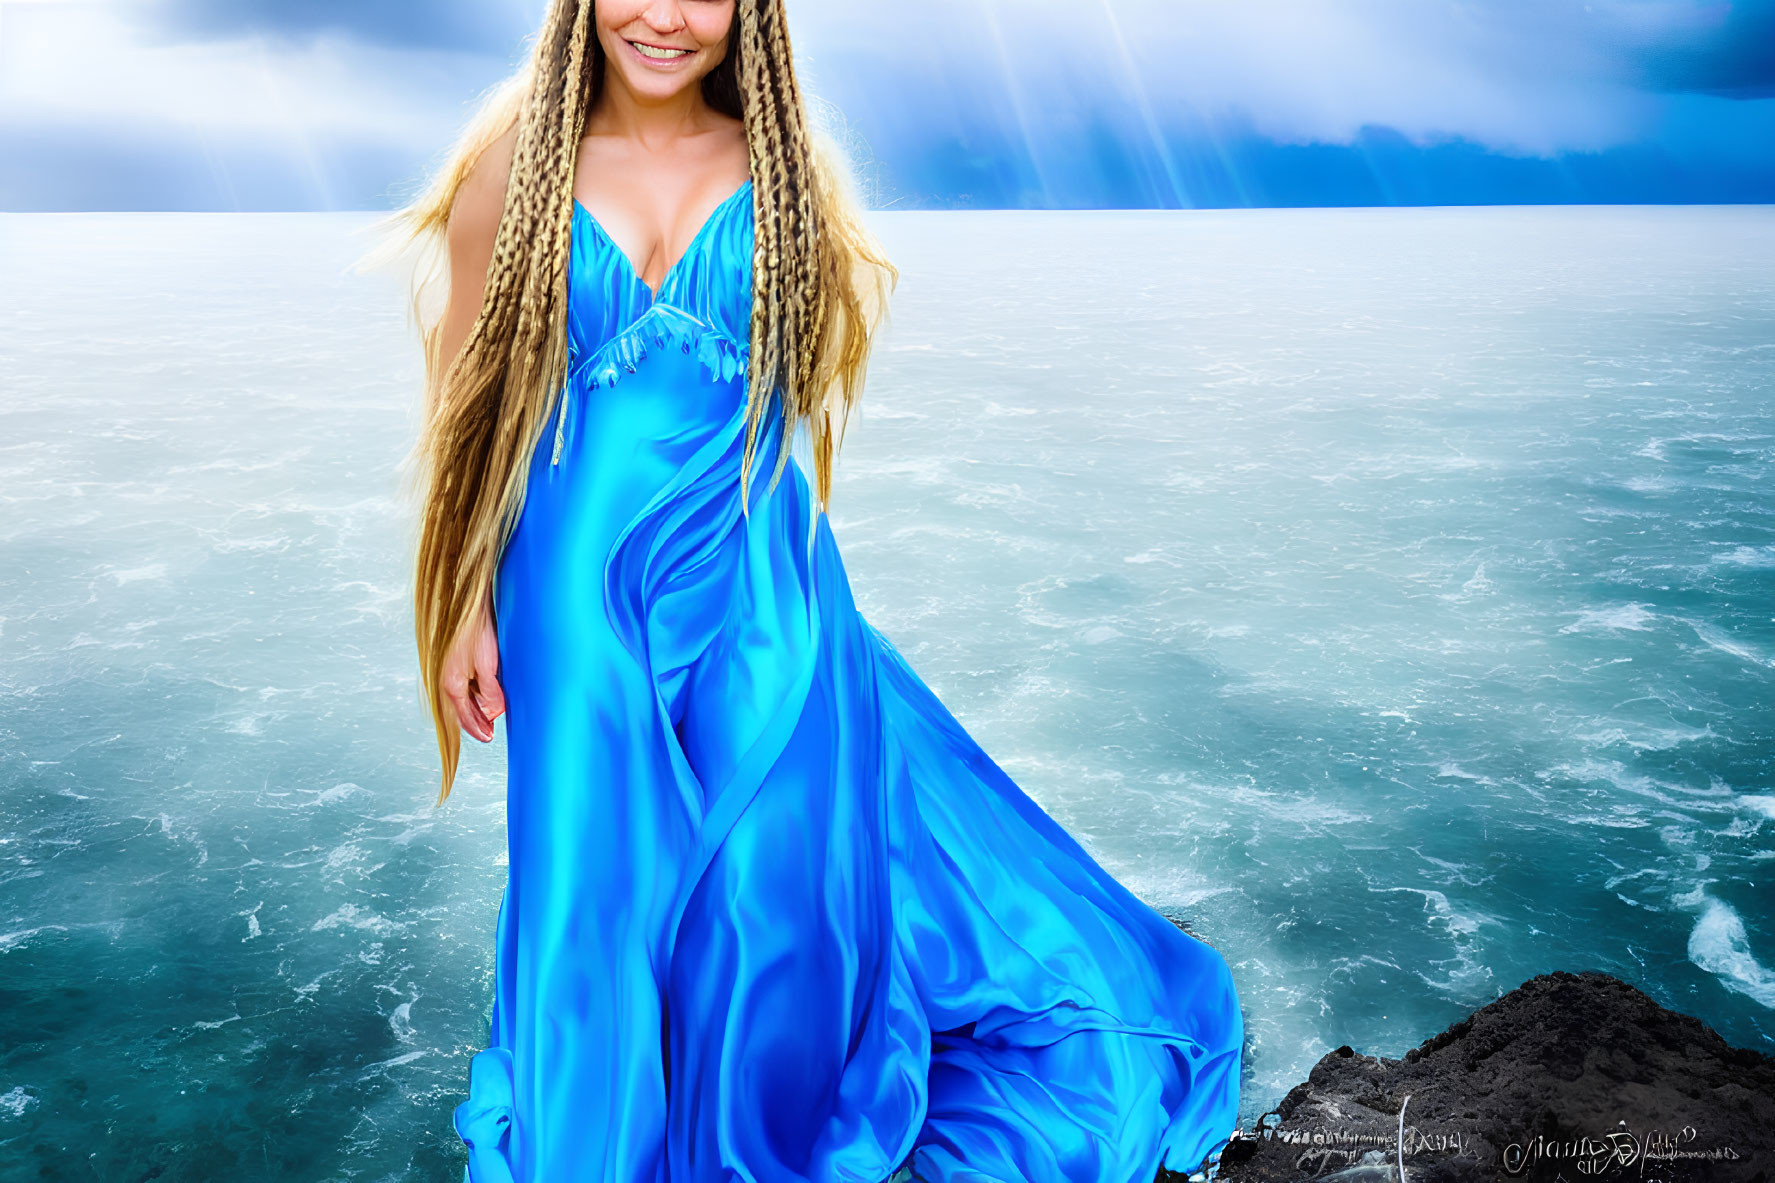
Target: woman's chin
657	84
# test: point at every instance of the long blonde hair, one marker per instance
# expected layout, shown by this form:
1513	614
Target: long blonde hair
820	284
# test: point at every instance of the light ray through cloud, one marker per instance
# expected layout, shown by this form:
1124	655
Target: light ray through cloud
335	104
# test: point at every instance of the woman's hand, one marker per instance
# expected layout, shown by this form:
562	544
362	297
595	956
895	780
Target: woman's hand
471	675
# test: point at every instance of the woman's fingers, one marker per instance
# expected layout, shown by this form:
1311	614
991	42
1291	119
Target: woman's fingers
468	714
475	721
486	706
471	677
489	693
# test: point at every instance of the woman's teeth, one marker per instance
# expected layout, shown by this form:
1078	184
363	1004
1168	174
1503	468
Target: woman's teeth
650	51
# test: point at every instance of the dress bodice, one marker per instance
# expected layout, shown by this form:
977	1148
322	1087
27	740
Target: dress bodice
703	306
710	282
712	278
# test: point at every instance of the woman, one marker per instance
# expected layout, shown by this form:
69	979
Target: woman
771	914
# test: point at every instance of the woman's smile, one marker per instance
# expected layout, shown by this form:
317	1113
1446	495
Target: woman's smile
659	55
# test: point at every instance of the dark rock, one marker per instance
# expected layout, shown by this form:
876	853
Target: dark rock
1567	1077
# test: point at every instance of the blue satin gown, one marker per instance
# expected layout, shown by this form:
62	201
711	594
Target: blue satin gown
770	913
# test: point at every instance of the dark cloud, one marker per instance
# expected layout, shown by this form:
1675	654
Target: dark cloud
1734	60
478	26
1076	105
1719	47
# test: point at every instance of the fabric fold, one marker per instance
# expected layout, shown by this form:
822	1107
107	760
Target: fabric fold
483	1122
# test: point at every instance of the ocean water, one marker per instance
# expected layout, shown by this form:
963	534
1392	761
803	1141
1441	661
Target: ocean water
1390	593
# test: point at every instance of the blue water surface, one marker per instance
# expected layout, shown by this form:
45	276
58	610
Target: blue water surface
1389	593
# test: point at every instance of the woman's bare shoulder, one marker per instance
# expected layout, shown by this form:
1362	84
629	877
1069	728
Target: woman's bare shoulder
475	213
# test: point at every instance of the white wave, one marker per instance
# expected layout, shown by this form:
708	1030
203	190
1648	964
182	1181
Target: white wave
343	855
381	1066
401	1022
1453	771
212	1024
1466	972
1747	556
1762	804
1715	638
14	1102
134	574
1442	912
1615	618
1458	871
12	940
350	915
1623	821
1348	967
1289	808
1000	410
1648	739
1719	945
329	796
1716	797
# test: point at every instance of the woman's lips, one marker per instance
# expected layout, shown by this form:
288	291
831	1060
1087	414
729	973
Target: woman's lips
678	53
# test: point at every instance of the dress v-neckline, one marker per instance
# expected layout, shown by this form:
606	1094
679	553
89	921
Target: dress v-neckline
628	264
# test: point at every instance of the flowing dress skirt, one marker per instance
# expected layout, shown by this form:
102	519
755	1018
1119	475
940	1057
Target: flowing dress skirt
771	913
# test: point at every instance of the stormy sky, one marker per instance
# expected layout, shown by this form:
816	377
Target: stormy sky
345	104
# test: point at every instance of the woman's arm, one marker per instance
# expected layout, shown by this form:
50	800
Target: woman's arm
469	235
471	668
